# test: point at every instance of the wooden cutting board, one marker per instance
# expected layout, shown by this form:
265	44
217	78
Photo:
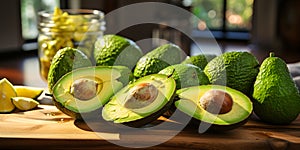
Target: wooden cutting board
47	127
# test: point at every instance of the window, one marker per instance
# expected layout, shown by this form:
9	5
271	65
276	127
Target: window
229	19
29	10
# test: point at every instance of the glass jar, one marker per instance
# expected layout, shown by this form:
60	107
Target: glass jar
77	28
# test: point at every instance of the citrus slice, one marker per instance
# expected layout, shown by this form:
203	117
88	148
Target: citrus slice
28	91
6	92
24	103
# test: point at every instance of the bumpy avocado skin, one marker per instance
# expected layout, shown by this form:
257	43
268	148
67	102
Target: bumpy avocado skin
158	59
64	61
186	75
276	98
235	69
200	60
116	50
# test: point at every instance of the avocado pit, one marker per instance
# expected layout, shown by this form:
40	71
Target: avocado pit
85	89
141	95
216	102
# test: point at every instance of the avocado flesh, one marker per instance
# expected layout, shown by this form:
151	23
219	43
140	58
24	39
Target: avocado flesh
235	69
276	97
113	50
189	104
186	75
115	110
158	59
108	77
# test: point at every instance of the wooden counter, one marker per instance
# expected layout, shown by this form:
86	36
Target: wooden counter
48	128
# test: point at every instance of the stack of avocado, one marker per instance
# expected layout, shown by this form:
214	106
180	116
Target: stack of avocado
125	87
81	86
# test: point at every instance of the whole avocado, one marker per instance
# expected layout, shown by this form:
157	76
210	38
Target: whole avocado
64	61
186	75
200	60
276	97
235	69
115	50
158	59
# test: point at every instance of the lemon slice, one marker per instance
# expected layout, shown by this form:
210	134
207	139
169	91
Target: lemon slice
24	103
6	92
28	91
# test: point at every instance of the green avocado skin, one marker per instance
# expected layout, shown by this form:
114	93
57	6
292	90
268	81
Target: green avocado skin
186	75
235	69
200	60
114	50
276	98
158	59
64	61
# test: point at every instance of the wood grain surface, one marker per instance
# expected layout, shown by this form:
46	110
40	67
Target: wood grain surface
48	128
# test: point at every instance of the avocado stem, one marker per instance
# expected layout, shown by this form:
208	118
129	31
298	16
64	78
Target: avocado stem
171	73
272	54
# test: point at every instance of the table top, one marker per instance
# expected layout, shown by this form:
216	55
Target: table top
47	127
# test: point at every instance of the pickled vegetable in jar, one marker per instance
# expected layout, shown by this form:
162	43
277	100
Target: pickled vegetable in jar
78	28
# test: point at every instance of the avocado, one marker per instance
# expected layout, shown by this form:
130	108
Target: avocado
276	97
114	50
158	59
64	61
215	107
235	69
199	60
141	102
86	90
185	75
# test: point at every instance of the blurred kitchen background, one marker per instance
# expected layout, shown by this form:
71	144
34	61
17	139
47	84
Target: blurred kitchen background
259	26
250	25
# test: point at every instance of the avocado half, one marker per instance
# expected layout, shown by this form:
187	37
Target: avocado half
124	109
86	90
238	114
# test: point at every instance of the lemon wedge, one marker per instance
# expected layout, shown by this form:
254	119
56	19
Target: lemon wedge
28	91
24	103
6	92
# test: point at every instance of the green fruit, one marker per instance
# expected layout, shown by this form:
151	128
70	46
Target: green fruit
276	97
200	60
141	102
113	50
185	75
86	90
221	107
64	61
237	70
158	59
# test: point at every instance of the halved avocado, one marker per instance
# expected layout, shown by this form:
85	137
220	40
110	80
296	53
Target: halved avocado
141	102
233	108
87	89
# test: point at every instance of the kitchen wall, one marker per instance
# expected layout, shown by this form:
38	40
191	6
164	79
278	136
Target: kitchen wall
10	26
